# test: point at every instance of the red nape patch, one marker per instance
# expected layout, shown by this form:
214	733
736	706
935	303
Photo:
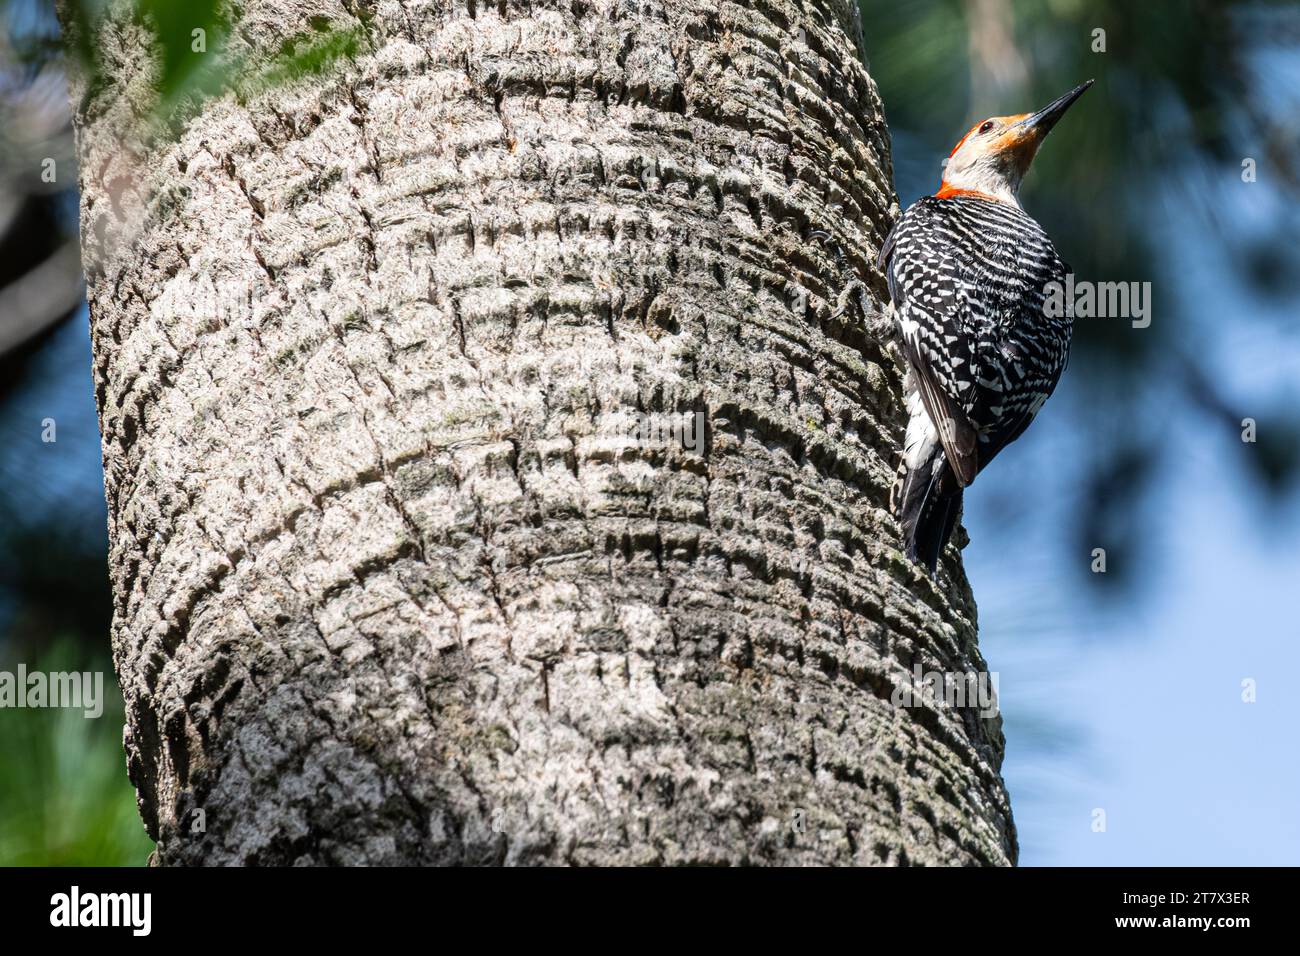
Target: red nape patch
952	192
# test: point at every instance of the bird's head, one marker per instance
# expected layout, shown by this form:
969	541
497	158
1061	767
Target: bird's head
993	157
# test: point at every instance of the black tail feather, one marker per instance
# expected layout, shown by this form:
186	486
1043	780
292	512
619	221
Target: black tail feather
930	505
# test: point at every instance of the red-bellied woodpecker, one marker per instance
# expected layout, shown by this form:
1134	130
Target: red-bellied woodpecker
968	272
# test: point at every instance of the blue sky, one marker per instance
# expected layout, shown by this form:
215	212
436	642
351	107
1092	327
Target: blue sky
1135	705
1141	713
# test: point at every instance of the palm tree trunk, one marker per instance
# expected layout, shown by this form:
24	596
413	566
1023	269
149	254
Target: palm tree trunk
417	553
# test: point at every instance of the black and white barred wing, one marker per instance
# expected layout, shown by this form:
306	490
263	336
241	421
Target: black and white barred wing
1021	349
926	290
968	280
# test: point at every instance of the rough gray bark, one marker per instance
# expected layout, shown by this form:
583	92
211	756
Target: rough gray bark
394	581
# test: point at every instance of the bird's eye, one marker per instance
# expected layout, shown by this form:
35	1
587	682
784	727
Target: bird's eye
987	125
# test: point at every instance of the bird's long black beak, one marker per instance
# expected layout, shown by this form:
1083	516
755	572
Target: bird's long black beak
1041	123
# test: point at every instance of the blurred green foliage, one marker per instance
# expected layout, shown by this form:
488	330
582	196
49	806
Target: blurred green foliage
64	796
177	24
198	57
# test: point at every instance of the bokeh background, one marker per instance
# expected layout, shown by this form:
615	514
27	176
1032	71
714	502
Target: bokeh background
1122	691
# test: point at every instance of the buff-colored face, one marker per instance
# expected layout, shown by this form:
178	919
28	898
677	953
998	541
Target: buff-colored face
994	156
